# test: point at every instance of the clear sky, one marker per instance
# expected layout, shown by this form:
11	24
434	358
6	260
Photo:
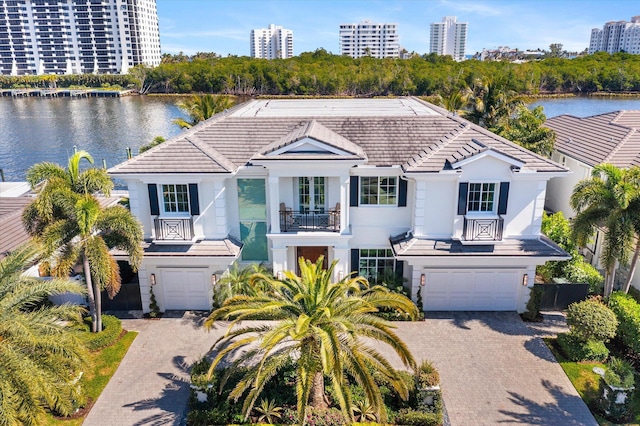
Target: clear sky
223	26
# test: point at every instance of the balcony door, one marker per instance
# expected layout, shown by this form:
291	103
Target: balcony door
311	194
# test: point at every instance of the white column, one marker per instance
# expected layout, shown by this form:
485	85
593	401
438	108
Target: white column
342	268
344	203
274	204
279	260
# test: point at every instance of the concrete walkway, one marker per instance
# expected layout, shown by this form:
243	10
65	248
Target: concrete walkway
493	367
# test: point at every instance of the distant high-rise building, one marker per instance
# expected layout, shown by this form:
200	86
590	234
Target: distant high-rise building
369	39
617	36
274	42
449	38
77	36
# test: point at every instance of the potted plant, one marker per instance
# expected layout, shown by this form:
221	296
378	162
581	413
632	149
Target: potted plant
616	387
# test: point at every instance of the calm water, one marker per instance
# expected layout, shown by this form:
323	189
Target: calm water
33	130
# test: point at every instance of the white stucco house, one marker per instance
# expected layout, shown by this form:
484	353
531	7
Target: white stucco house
375	184
581	144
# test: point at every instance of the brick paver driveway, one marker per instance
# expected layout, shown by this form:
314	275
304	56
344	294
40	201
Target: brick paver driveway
494	369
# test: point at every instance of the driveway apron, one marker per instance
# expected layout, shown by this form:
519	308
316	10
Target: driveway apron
494	369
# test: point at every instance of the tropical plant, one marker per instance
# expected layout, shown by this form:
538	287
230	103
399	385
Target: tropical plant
40	354
246	281
364	412
526	128
610	199
491	102
155	142
73	226
200	108
320	325
268	411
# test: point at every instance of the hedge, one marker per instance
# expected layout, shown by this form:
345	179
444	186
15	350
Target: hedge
418	418
578	350
111	329
628	312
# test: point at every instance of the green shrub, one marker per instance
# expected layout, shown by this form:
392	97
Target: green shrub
418	418
533	305
591	320
619	373
111	330
427	375
628	312
576	349
578	271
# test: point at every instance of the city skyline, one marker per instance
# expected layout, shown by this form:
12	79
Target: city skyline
224	27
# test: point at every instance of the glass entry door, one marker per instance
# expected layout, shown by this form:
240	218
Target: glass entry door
311	194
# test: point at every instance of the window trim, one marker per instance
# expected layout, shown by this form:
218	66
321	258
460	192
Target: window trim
361	196
162	206
389	256
494	202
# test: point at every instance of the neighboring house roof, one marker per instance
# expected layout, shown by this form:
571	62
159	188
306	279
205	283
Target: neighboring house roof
408	245
605	138
12	232
402	131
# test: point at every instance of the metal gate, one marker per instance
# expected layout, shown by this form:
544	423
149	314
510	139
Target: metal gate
558	297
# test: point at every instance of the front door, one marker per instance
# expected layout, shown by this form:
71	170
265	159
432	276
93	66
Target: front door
312	254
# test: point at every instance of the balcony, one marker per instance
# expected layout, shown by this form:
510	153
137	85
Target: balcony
174	229
482	229
309	221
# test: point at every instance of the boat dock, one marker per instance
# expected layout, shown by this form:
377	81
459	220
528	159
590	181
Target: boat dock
73	93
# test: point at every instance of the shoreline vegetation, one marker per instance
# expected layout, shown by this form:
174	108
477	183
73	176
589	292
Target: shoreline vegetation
322	74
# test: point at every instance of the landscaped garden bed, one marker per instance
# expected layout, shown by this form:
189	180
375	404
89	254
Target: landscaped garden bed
106	350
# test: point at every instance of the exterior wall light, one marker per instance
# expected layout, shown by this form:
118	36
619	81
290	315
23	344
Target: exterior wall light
214	280
423	280
152	279
525	280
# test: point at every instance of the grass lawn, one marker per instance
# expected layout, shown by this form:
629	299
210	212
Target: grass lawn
586	382
102	365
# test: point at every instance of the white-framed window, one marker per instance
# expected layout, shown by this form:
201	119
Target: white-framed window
175	198
481	197
378	190
375	263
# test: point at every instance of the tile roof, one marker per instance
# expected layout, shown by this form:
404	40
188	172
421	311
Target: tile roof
11	229
408	245
404	131
227	247
605	138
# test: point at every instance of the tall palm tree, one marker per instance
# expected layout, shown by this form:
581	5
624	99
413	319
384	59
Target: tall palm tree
320	324
74	227
609	199
40	356
491	101
202	107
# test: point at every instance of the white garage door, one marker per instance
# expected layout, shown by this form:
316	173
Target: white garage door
455	290
186	289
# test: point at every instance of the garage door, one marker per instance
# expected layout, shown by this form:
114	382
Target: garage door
455	290
186	289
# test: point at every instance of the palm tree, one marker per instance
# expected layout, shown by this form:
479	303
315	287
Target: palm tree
200	108
491	102
319	324
526	128
40	356
74	227
237	281
611	200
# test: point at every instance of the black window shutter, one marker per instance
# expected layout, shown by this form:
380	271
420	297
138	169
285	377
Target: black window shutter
503	198
402	193
463	190
153	199
194	204
399	268
355	262
354	195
